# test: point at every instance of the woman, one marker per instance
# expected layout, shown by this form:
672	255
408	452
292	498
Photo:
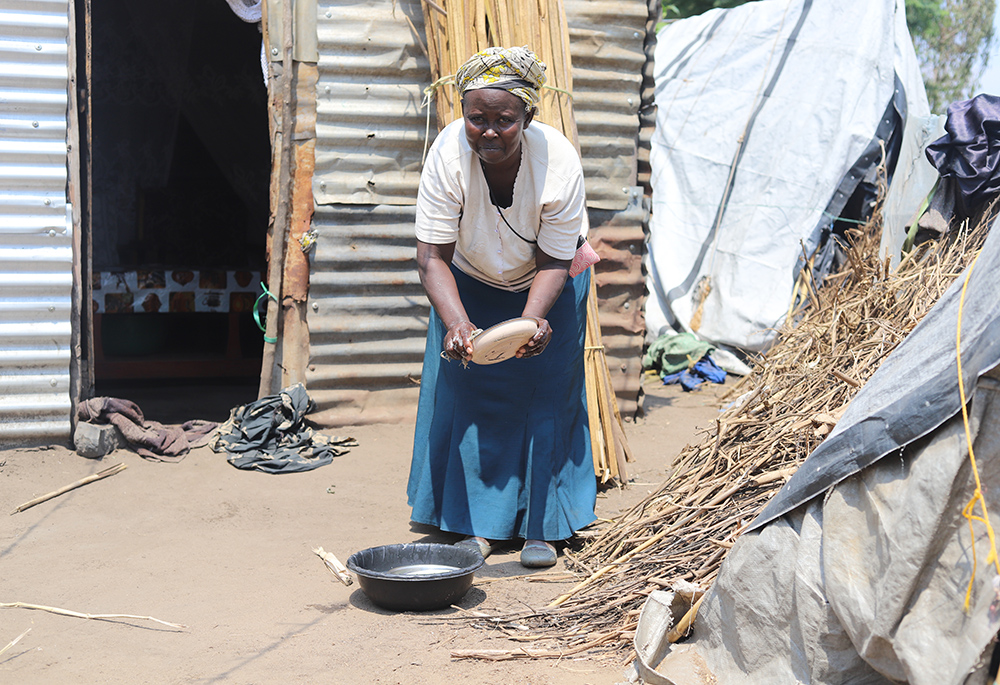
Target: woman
502	452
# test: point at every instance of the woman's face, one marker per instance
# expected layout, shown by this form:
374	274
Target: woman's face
494	123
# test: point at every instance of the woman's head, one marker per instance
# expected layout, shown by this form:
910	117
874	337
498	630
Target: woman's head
499	89
494	124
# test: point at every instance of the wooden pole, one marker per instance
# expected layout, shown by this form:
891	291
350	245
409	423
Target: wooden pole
72	486
279	230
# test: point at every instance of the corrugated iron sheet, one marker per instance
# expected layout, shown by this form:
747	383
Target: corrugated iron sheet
370	128
367	313
608	42
606	45
36	255
619	238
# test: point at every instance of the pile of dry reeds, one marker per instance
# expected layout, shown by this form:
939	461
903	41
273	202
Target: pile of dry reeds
456	30
840	335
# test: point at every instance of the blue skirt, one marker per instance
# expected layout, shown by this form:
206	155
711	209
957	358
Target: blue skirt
503	451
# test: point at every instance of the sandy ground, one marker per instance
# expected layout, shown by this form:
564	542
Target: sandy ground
227	553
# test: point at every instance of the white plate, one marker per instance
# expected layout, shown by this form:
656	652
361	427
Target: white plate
499	343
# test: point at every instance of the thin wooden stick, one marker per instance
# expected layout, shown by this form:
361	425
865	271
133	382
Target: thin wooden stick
15	641
684	625
97	617
560	577
72	486
338	570
847	379
436	7
522	653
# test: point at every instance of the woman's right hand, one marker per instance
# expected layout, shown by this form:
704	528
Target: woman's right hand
458	341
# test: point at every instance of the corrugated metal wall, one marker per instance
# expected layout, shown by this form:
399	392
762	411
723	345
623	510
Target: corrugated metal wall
370	128
606	39
373	72
606	43
36	255
367	313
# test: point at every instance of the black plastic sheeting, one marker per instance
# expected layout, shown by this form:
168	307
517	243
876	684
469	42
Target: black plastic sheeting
969	151
271	435
913	392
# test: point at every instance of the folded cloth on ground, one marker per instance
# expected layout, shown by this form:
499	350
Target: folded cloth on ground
271	435
150	439
703	370
673	352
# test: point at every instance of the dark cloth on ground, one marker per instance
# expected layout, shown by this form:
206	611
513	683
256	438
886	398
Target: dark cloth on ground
271	435
969	151
150	439
502	451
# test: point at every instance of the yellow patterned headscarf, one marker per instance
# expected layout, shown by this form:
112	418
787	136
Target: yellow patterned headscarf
517	70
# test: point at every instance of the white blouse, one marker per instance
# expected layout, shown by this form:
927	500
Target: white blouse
453	206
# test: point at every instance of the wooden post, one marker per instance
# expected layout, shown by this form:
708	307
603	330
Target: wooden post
279	230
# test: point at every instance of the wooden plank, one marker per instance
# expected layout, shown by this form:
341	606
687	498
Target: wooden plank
481	25
271	362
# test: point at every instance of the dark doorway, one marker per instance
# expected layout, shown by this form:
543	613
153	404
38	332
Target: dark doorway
180	162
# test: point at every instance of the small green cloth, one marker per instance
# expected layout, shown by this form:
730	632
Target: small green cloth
673	352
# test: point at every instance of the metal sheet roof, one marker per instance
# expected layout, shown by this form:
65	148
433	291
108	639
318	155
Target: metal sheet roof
371	129
36	254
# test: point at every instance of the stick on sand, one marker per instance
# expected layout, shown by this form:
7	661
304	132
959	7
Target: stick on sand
76	614
72	486
336	568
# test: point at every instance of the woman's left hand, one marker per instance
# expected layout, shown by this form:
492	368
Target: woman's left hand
538	341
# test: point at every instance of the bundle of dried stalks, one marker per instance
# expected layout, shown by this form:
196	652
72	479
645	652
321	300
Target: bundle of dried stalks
841	334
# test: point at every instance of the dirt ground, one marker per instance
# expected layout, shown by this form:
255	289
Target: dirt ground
227	553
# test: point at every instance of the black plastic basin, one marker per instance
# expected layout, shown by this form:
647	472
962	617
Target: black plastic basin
416	576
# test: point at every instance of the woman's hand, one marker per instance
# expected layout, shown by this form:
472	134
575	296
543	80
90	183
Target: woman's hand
546	287
458	341
439	283
538	341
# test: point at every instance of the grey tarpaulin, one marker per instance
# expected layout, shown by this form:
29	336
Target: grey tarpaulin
271	435
768	116
866	585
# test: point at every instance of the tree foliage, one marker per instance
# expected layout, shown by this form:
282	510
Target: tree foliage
952	39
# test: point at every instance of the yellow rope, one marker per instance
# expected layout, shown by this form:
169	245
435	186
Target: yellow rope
558	90
977	496
429	93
